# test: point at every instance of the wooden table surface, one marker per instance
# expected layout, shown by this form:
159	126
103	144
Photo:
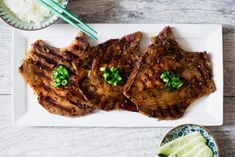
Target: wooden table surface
119	142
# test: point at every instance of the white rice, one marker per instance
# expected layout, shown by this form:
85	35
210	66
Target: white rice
28	10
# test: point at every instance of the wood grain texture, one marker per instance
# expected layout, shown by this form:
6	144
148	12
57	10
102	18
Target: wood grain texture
119	142
5	59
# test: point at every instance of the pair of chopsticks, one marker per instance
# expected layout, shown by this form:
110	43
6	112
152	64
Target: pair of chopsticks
61	12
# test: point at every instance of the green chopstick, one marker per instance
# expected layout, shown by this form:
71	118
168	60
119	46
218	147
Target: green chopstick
57	6
66	19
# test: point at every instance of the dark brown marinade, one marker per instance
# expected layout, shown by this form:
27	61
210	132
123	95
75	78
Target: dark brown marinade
53	102
37	68
148	92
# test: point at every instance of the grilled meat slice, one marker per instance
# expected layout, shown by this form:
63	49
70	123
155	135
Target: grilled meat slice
147	90
119	53
37	68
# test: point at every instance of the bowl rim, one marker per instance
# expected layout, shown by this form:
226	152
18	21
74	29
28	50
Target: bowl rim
57	18
209	133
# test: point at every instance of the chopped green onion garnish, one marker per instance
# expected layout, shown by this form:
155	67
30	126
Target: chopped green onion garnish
111	75
60	76
56	84
103	69
64	82
112	69
105	75
115	83
172	82
109	81
58	80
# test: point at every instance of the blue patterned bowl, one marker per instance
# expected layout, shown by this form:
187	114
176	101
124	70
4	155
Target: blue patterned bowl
185	129
11	19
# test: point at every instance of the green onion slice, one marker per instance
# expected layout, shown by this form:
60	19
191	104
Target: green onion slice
111	75
172	81
60	76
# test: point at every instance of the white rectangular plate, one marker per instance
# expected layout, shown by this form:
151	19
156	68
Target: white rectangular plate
205	111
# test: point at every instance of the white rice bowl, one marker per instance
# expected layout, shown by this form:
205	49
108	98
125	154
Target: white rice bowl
28	11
